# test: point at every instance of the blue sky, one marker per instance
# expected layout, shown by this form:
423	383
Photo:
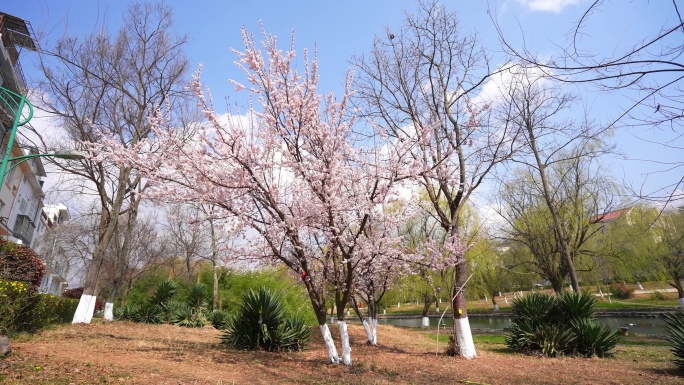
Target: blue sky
343	28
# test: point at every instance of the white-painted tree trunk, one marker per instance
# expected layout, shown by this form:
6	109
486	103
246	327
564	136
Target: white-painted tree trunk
346	349
109	311
496	307
91	309
374	325
425	323
369	332
464	338
329	344
681	303
85	309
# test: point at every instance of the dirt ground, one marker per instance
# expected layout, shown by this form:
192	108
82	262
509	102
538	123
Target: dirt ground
127	353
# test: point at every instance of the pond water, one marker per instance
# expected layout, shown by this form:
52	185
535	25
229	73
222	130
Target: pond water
638	325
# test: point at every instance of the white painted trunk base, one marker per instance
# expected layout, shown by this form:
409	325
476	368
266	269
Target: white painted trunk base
109	311
374	324
464	338
346	349
84	310
369	333
425	322
329	344
681	303
496	307
91	309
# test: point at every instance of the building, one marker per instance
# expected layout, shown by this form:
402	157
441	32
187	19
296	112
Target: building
21	194
46	245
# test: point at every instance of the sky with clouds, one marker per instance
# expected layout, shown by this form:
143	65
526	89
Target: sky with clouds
339	30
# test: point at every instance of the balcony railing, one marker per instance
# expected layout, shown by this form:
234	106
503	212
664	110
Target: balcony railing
24	228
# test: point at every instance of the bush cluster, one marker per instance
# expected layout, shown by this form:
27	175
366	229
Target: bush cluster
559	325
675	326
262	323
621	291
20	263
164	306
25	310
77	292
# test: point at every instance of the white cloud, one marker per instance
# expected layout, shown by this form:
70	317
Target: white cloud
496	89
555	6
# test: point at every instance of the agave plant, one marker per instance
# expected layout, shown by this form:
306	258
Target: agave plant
148	313
535	308
557	325
261	322
594	339
124	313
675	327
190	317
164	291
576	306
219	319
197	296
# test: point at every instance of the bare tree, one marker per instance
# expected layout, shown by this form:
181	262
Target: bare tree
135	250
187	236
581	196
114	82
535	108
418	82
646	72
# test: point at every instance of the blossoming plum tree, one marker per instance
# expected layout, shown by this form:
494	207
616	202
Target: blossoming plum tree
305	186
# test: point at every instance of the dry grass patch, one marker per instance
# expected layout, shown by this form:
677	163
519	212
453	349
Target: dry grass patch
128	353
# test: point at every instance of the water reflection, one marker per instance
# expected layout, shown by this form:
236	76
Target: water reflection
638	325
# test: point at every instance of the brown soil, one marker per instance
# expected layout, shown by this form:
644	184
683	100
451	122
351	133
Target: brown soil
127	353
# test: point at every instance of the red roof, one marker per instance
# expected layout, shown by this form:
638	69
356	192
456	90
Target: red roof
610	216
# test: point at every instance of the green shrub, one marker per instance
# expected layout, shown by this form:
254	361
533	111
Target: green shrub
261	322
15	300
564	324
77	292
675	327
20	263
658	296
162	306
190	317
24	310
219	319
156	309
164	291
124	313
573	306
594	339
621	291
196	296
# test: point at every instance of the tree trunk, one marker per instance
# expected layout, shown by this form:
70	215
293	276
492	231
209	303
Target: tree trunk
548	197
344	337
329	344
557	285
214	254
463	337
109	221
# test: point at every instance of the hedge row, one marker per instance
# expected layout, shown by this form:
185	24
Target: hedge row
24	310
